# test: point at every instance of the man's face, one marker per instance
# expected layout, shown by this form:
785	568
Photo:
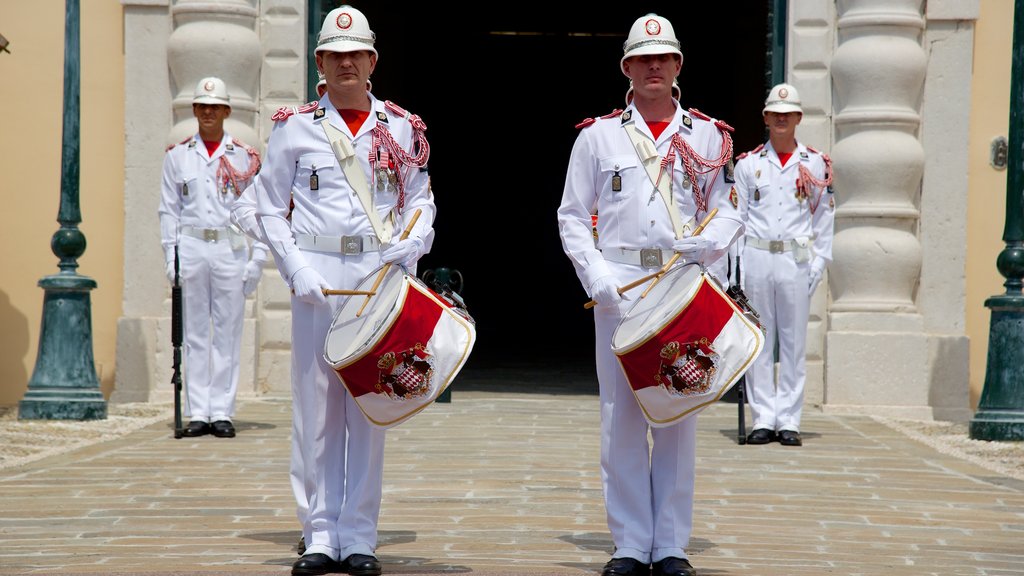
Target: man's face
211	116
346	70
782	123
652	74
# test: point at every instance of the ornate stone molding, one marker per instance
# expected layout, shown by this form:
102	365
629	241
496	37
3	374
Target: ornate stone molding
878	70
215	38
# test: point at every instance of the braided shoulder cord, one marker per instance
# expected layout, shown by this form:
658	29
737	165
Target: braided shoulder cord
227	173
386	153
807	186
696	165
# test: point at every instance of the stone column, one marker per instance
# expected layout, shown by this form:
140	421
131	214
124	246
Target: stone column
215	38
876	348
809	44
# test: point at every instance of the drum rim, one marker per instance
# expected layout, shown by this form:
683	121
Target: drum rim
703	277
393	317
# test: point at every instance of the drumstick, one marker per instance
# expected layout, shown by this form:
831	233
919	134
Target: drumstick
333	292
386	267
664	268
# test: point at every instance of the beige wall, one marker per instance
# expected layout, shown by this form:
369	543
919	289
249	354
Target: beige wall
32	77
990	109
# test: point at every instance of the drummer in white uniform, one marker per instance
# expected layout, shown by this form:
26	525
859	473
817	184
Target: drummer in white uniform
615	165
203	177
329	224
243	215
788	245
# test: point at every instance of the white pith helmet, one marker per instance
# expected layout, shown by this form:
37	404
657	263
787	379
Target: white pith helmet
650	34
345	29
782	98
211	90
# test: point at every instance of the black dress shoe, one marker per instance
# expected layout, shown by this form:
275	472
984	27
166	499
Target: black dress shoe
761	436
625	567
790	438
223	429
315	565
196	428
673	566
361	565
301	546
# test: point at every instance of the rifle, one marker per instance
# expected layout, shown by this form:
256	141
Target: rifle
176	336
735	291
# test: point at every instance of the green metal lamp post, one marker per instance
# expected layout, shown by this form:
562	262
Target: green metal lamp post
1000	414
64	385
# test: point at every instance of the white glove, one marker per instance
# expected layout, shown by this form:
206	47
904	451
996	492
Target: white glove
308	286
814	277
693	248
605	292
170	271
405	252
251	276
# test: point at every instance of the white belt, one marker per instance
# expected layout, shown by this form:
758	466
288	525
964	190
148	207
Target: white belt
773	246
646	257
343	244
208	234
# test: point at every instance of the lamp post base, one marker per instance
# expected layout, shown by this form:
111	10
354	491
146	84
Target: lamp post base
62	404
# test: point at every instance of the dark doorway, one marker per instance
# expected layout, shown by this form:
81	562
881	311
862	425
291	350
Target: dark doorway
501	94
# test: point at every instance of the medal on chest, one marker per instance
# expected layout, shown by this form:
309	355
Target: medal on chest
314	180
616	181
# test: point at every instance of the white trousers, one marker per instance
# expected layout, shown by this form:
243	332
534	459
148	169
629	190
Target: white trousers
213	305
777	287
648	491
337	455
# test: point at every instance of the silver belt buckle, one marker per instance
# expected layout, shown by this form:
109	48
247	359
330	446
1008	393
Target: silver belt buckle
776	246
351	245
650	257
209	235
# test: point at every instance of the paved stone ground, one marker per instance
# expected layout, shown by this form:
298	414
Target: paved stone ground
500	482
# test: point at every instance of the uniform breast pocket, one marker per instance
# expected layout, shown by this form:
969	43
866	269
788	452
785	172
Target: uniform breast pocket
314	172
620	176
188	186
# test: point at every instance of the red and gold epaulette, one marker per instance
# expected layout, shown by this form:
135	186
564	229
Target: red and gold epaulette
397	110
590	121
178	144
723	126
285	111
754	151
699	114
248	149
809	149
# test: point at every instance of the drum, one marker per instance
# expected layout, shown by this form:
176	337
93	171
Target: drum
684	345
396	355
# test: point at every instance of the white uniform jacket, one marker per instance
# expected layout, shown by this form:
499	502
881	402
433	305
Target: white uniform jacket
631	213
291	201
190	194
773	210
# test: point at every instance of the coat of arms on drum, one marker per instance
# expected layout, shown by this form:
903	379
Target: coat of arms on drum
406	374
687	369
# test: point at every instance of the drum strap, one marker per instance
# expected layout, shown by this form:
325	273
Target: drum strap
346	155
652	164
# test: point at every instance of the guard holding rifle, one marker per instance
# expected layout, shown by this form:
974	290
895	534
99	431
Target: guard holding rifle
651	172
203	176
788	244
